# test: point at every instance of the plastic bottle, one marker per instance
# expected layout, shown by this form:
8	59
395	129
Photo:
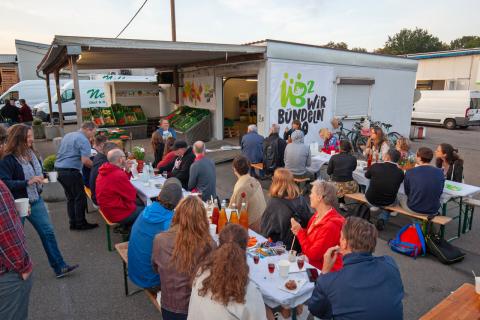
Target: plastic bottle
244	216
234	215
222	218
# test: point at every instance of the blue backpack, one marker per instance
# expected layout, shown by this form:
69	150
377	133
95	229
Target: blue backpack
409	241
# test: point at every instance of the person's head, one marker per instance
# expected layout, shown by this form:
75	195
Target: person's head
358	235
107	146
297	136
169	145
199	148
393	155
296	124
228	259
241	166
180	147
117	157
324	134
89	128
283	185
22	102
156	140
345	146
19	140
252	128
402	145
323	195
7	102
170	194
424	155
192	240
446	153
275	128
12	102
164	124
99	142
376	133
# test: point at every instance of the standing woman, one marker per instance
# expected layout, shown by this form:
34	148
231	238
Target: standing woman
21	170
177	254
340	169
158	147
450	162
377	144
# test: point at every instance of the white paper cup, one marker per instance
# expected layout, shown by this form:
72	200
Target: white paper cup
477	285
283	268
52	176
22	205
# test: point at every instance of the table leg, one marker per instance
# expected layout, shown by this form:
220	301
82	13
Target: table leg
442	227
459	217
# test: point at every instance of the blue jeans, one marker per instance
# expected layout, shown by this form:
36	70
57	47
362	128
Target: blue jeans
385	215
40	220
14	296
168	315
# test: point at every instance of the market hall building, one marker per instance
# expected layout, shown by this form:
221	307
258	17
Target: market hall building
213	91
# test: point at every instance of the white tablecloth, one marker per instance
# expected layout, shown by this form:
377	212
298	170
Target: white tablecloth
269	284
147	192
318	160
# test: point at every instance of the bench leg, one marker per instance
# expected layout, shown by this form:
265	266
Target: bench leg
109	240
442	227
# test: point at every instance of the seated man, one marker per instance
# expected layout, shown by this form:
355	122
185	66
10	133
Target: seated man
273	150
183	161
116	196
154	219
202	173
298	156
99	159
367	287
252	147
423	185
385	180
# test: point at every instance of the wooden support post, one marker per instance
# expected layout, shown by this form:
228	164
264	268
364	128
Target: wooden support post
59	99
76	87
49	96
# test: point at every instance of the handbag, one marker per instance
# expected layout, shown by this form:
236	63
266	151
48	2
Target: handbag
442	249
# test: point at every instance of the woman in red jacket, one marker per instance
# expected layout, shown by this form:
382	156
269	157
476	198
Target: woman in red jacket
323	230
169	155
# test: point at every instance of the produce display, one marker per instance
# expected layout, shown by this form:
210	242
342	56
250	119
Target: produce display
185	117
116	115
113	133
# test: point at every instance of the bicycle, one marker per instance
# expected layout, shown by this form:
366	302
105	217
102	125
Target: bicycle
354	135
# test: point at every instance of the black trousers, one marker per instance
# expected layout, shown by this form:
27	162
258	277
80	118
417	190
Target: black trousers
72	182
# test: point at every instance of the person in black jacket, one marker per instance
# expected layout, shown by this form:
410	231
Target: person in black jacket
273	151
285	202
340	169
185	158
296	125
10	112
449	161
158	146
385	180
99	159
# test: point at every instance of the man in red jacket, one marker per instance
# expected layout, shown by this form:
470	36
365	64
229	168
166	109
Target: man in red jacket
116	196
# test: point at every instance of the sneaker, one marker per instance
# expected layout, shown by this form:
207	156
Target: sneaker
380	224
394	213
343	206
374	209
66	270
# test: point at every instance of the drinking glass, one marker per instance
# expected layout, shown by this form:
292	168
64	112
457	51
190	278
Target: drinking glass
271	268
300	262
256	259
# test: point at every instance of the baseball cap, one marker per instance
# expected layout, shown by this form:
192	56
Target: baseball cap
171	192
179	144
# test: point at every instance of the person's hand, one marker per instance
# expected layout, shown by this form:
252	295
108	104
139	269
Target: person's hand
25	275
295	226
329	259
35	179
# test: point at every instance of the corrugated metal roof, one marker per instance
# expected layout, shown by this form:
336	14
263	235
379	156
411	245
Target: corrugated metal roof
8	58
444	54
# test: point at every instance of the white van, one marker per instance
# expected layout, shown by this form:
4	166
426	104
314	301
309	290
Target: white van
450	108
92	94
33	91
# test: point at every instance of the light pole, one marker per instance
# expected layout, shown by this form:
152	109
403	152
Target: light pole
172	15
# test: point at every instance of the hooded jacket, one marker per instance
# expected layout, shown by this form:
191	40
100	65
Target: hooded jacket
297	155
182	173
115	194
98	160
317	238
154	219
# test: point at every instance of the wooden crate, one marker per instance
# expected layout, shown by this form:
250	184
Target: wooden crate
8	77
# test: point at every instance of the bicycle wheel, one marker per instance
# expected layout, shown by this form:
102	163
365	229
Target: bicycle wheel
393	137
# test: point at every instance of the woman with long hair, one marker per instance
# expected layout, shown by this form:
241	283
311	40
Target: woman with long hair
221	289
177	253
286	202
169	155
450	162
158	147
21	170
377	144
340	169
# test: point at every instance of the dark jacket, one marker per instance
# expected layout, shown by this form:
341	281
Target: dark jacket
287	134
11	173
10	112
455	170
385	180
423	187
273	152
25	114
158	154
252	147
98	160
275	222
367	287
182	173
341	167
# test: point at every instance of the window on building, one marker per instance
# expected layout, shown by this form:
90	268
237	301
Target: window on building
424	84
462	84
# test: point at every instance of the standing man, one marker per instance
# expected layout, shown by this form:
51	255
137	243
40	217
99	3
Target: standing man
165	130
74	152
202	178
15	264
25	112
10	112
252	147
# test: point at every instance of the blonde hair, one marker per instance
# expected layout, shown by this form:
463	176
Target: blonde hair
283	185
403	144
324	133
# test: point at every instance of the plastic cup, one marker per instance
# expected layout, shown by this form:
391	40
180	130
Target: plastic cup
22	205
292	255
52	176
477	285
283	268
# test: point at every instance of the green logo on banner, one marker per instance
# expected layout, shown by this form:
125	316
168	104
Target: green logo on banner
96	94
295	91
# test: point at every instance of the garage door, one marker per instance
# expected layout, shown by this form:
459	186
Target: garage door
352	100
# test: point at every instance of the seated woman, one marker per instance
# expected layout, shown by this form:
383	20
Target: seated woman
450	162
247	189
407	158
217	296
178	252
158	146
168	159
377	145
285	202
330	142
323	230
340	169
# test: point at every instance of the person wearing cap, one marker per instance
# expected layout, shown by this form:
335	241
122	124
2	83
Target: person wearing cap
202	173
154	219
183	162
165	130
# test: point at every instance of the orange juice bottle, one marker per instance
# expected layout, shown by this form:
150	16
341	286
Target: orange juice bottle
215	214
244	216
234	215
222	218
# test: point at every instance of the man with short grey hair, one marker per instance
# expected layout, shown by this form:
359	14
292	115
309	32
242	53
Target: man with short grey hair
273	150
202	177
252	146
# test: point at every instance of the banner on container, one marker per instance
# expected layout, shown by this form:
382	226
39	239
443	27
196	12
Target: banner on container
301	92
199	92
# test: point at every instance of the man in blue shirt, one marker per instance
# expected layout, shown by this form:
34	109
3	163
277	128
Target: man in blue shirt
367	287
252	146
74	152
165	130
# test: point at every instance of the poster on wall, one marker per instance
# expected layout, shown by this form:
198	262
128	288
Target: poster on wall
301	92
199	92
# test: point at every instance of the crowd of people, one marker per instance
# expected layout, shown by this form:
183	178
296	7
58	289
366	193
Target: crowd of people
12	114
170	247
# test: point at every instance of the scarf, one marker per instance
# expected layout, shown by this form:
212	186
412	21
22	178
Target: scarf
30	169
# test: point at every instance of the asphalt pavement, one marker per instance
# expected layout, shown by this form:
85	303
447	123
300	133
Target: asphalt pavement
95	290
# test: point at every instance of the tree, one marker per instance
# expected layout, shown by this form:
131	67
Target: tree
412	41
336	45
358	49
465	42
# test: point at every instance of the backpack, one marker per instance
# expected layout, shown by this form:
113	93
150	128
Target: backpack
443	250
409	241
360	210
